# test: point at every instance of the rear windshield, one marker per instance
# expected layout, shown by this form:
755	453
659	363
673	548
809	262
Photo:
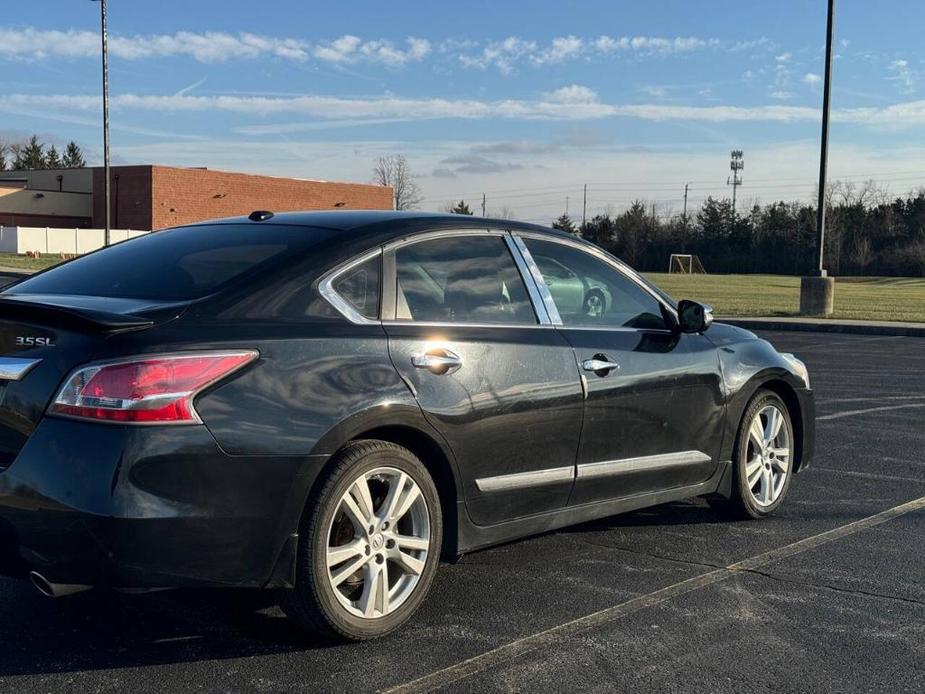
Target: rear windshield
177	264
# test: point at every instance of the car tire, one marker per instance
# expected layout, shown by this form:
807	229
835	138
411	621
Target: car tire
762	471
399	551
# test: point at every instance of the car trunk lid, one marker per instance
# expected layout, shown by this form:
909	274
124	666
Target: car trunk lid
44	337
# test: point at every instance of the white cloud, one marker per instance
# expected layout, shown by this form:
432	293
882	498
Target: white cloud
652	44
784	57
902	74
29	43
561	48
812	79
502	55
352	49
781	94
572	94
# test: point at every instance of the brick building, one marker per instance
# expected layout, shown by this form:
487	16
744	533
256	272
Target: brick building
154	197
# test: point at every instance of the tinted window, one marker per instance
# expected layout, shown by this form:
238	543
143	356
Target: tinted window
178	264
360	287
589	292
467	279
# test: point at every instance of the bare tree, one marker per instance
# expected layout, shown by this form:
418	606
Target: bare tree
393	171
503	212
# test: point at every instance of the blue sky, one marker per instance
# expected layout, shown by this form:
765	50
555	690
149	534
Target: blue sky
524	101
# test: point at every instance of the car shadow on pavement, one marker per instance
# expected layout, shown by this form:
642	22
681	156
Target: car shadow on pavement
102	629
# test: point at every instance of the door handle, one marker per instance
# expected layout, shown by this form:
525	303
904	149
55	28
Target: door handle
440	363
600	365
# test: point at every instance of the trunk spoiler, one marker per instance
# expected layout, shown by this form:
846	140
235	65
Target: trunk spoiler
71	316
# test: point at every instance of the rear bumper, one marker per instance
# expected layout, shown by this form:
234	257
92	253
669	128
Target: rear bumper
807	403
154	506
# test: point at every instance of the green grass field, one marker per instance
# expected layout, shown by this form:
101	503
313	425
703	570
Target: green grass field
22	262
859	298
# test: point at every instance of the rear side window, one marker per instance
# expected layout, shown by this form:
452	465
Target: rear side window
359	286
467	279
177	264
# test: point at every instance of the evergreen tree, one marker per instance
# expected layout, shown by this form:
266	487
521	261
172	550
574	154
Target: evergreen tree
73	157
461	208
52	160
32	155
565	223
2	157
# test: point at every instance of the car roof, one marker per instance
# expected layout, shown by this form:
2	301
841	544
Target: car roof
350	220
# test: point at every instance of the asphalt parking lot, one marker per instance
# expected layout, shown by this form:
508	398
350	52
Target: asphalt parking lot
641	602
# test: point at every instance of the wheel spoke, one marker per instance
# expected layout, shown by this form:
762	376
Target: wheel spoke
340	554
360	492
756	433
375	594
780	464
409	542
408	498
348	570
409	564
396	487
753	471
772	428
360	521
766	487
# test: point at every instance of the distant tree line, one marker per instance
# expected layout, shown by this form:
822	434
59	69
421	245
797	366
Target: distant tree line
34	154
867	233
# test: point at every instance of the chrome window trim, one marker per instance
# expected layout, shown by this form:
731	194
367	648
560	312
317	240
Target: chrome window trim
522	480
609	468
598	253
537	276
440	233
526	274
15	368
340	304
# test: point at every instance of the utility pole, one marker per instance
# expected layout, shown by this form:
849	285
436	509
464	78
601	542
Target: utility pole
483	204
566	205
584	208
736	164
105	48
817	292
684	215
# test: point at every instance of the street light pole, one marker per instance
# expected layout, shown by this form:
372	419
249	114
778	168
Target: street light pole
817	292
824	153
105	47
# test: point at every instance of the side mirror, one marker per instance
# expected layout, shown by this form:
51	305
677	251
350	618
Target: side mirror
694	317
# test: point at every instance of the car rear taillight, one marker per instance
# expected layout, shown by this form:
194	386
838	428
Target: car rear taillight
154	390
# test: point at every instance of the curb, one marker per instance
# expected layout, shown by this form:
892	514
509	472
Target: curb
829	326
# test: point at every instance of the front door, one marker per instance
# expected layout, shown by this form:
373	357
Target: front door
501	387
654	401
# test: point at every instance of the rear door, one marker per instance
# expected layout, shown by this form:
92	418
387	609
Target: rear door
654	401
491	374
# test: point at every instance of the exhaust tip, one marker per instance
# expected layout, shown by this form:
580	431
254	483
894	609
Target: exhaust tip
55	590
41	584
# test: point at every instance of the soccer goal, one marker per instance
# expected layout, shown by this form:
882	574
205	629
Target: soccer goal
685	263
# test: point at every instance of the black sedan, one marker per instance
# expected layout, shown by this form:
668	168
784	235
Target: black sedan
328	403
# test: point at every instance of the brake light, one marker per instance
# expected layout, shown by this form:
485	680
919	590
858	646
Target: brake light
146	390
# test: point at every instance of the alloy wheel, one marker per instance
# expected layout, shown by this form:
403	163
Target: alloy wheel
767	461
378	542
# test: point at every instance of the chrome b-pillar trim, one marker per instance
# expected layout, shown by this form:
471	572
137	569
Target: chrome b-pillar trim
14	368
541	285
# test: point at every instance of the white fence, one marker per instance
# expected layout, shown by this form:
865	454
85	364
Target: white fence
53	241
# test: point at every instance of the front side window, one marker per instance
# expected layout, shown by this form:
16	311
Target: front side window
464	279
589	292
